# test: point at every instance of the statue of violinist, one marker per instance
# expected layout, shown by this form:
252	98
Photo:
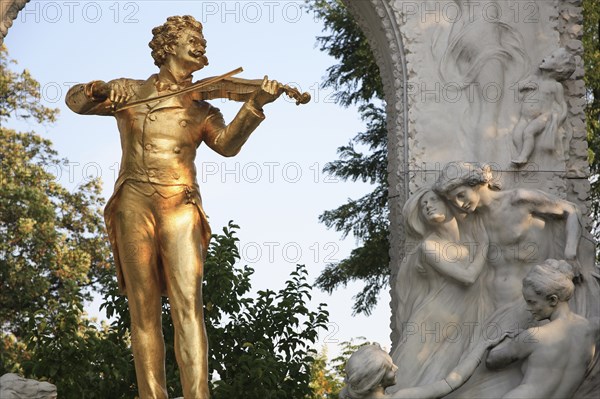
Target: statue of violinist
155	221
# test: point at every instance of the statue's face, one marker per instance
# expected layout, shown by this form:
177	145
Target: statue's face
189	50
540	307
433	208
559	58
389	377
466	198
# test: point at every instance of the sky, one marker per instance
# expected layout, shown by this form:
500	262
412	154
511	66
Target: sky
274	189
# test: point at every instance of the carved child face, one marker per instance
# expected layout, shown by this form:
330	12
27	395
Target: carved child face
466	198
539	306
560	62
433	208
189	50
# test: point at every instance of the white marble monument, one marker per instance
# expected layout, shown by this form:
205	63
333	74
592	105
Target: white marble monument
488	183
13	386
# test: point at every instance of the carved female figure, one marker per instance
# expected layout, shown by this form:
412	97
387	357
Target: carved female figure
481	49
558	353
440	291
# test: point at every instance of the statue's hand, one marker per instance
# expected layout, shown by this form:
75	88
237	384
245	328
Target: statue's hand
491	342
578	276
269	91
117	92
571	253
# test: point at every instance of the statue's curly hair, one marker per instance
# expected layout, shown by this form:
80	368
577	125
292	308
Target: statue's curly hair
168	33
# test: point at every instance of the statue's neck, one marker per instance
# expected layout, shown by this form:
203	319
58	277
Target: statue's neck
173	74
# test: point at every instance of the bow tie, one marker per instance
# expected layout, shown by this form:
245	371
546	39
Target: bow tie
163	86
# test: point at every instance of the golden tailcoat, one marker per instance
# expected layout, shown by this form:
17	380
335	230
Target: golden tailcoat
159	141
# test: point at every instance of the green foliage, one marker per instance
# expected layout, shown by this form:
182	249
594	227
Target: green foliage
54	256
356	80
591	58
21	94
325	383
52	239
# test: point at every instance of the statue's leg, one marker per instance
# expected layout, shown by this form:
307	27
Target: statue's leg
179	237
533	129
135	230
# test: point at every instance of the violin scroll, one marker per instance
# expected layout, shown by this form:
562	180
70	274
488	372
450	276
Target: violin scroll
292	92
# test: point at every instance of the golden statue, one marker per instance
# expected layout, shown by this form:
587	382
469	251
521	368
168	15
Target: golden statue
156	225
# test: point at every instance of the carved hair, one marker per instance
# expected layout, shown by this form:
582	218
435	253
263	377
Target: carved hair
364	371
563	64
168	33
552	277
472	174
416	226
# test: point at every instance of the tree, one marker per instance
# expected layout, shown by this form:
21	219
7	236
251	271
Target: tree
357	81
591	59
325	383
53	257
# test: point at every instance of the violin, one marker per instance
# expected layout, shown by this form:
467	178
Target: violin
223	86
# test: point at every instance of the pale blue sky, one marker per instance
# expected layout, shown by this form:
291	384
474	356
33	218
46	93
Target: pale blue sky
273	189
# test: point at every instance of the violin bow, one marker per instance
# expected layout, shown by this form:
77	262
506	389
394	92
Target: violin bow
193	87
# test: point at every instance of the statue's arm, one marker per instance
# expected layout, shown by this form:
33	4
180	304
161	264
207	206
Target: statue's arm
465	270
550	206
434	390
511	350
94	98
454	380
228	140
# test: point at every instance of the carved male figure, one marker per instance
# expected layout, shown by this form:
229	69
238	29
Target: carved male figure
156	224
517	222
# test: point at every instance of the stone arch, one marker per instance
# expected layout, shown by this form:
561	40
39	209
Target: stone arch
379	23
